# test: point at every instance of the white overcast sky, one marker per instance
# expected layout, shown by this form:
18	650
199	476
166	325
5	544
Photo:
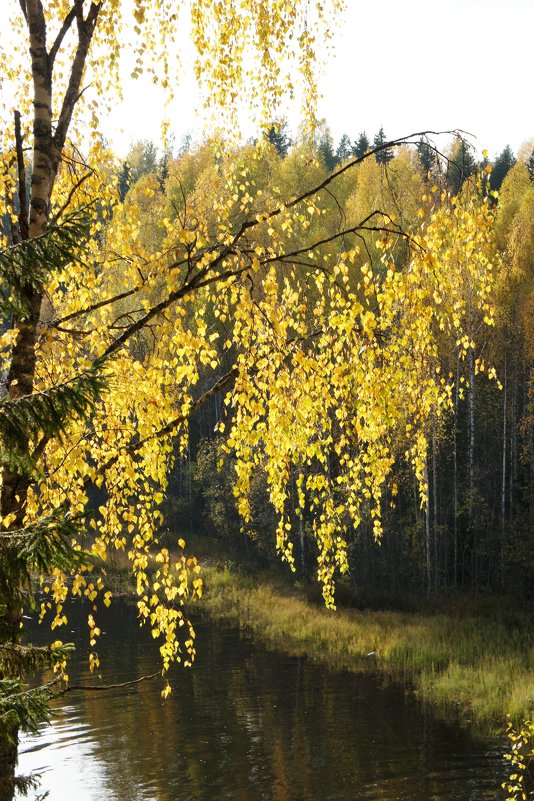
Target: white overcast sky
406	65
436	64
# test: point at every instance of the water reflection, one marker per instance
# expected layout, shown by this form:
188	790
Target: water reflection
250	724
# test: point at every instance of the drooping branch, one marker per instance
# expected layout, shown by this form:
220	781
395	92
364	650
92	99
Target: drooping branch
221	384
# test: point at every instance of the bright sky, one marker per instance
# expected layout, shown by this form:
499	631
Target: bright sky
408	66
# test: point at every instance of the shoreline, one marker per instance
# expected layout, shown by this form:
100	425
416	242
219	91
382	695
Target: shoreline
477	669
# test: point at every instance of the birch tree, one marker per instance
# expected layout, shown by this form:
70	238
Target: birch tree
108	332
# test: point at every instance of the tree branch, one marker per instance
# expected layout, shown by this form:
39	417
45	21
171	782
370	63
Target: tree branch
404	140
67	22
72	192
24	229
361	226
95	306
100	687
22	4
85	33
171	426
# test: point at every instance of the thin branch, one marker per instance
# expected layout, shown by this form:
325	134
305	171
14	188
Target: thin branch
73	190
100	687
23	196
169	428
67	22
404	140
361	226
94	307
22	4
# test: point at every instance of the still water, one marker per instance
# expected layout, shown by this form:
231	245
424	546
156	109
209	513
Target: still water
249	724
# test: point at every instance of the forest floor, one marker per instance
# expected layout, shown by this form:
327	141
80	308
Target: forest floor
479	667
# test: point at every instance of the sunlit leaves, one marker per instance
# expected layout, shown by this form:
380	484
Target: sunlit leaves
521	758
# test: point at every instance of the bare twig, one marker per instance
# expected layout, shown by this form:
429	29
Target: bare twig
102	687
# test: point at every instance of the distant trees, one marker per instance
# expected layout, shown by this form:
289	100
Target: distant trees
500	168
361	145
460	164
385	155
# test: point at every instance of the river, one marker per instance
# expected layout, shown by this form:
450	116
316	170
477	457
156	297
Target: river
250	724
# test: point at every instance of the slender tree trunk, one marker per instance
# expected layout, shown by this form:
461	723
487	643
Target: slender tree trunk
471	429
512	477
455	475
503	483
435	505
302	543
428	543
471	467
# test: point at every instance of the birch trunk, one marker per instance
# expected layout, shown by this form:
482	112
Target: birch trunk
428	543
455	475
503	483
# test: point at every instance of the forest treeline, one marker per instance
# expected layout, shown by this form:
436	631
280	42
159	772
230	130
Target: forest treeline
477	530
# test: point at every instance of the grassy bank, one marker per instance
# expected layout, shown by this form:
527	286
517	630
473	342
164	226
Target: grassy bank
480	666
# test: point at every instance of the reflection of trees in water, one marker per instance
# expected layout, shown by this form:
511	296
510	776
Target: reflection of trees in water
250	724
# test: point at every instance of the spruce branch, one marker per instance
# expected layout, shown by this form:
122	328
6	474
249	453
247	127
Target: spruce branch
24	267
47	412
45	544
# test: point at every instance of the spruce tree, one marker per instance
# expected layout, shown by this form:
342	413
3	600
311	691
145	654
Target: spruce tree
460	165
325	149
530	165
278	137
34	544
386	154
427	156
124	180
502	164
344	149
361	145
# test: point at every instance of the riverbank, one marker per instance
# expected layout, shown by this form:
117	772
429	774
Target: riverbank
480	667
